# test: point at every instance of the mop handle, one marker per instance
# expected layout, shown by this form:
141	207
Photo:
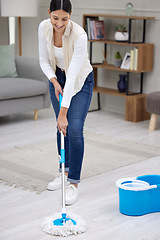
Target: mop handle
62	136
62	161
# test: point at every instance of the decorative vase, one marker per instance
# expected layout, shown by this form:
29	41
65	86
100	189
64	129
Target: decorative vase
122	83
129	9
121	36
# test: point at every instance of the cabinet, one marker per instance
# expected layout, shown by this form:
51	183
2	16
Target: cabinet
135	101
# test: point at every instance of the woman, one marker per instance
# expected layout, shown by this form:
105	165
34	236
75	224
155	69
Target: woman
64	60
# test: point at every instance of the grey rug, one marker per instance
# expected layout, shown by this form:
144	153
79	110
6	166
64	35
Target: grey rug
33	166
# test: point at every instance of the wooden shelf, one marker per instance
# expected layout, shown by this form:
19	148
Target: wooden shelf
113	42
134	104
115	92
112	67
119	16
109	91
145	59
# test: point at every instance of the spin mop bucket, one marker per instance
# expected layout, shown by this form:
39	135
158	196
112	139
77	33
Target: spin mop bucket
140	195
63	224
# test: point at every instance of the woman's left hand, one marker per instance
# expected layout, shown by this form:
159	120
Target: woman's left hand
62	124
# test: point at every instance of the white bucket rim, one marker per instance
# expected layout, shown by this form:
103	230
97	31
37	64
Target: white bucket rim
142	184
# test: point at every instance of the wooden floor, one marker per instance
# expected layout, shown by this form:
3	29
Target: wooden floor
21	212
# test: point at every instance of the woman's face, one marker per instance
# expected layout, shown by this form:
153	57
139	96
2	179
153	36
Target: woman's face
59	20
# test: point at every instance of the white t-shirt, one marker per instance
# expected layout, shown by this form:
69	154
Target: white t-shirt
79	53
58	51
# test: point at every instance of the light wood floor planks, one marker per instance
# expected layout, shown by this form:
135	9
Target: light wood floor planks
21	212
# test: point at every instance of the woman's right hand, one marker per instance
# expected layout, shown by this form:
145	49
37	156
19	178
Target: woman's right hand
57	87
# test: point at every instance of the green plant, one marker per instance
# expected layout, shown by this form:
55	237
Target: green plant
118	55
120	28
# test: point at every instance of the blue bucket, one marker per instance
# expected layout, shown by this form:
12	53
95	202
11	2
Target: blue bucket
139	195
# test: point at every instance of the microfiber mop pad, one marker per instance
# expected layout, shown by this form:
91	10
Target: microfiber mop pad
68	227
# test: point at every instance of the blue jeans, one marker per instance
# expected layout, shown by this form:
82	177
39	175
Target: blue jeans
77	112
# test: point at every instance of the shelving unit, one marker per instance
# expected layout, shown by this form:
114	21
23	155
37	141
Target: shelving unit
135	102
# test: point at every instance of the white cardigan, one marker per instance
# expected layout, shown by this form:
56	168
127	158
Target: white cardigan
77	65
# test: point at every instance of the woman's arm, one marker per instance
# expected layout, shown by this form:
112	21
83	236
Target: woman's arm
80	51
43	54
44	61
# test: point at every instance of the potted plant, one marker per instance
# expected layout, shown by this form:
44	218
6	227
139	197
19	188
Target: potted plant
117	60
121	33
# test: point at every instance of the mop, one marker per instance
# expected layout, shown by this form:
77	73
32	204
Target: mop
63	223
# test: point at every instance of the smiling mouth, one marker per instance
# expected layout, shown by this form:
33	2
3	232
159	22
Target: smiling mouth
59	27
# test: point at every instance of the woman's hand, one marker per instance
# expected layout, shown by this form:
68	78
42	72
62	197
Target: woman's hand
62	121
57	87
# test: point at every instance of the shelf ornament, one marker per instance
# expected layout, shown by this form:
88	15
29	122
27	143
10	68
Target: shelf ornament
121	33
129	9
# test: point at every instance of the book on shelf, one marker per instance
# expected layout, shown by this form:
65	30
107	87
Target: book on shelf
99	30
134	59
95	28
89	27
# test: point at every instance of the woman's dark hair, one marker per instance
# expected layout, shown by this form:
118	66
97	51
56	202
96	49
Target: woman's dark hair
65	5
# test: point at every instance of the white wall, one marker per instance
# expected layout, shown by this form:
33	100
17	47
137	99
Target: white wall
106	78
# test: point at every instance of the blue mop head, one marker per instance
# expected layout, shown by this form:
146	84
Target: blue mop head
54	225
61	221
